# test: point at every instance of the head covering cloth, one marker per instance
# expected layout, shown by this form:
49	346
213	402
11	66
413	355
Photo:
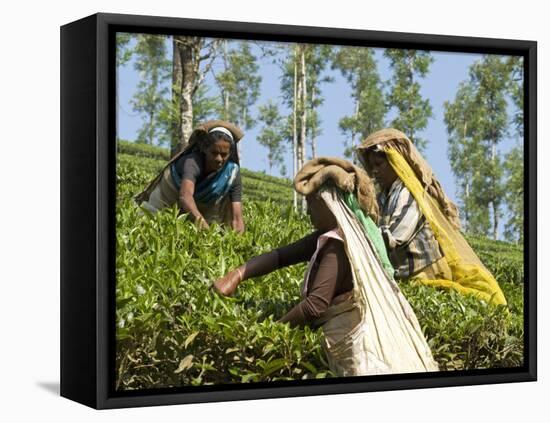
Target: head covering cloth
397	140
346	176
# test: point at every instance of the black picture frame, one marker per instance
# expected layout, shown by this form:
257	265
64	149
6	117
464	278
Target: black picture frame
88	201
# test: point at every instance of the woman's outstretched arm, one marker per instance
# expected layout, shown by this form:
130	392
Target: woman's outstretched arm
257	266
263	264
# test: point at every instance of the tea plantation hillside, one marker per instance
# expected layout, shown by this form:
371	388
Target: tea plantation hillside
172	330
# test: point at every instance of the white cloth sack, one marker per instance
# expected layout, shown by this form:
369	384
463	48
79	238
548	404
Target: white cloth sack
376	331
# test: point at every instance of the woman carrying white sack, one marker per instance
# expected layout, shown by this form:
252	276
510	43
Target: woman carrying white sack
369	327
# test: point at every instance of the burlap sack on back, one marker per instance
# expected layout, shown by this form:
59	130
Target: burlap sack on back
344	174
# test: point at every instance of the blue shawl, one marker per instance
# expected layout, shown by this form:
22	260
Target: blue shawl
214	187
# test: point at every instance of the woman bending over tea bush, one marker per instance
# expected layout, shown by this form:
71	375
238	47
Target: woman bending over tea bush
204	179
348	289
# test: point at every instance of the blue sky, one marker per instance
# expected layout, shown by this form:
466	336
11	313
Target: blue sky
440	85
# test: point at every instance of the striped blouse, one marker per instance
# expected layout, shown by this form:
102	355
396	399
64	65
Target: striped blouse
410	240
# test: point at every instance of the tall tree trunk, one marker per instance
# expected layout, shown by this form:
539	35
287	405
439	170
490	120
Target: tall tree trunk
225	94
494	200
294	130
353	133
176	96
313	142
298	119
242	125
303	117
467	208
189	65
150	129
189	49
495	220
299	146
467	184
410	132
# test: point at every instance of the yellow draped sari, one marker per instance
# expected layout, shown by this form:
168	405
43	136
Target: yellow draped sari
469	275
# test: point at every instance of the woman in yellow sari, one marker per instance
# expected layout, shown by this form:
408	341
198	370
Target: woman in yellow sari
420	225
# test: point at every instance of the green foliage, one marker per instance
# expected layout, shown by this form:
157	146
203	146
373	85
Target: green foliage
123	52
489	78
256	188
204	105
271	135
465	333
316	58
172	330
413	110
513	162
142	150
274	180
466	151
295	73
150	98
239	84
477	122
504	260
513	188
515	89
358	66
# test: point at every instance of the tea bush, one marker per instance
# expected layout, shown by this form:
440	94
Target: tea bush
172	330
142	150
